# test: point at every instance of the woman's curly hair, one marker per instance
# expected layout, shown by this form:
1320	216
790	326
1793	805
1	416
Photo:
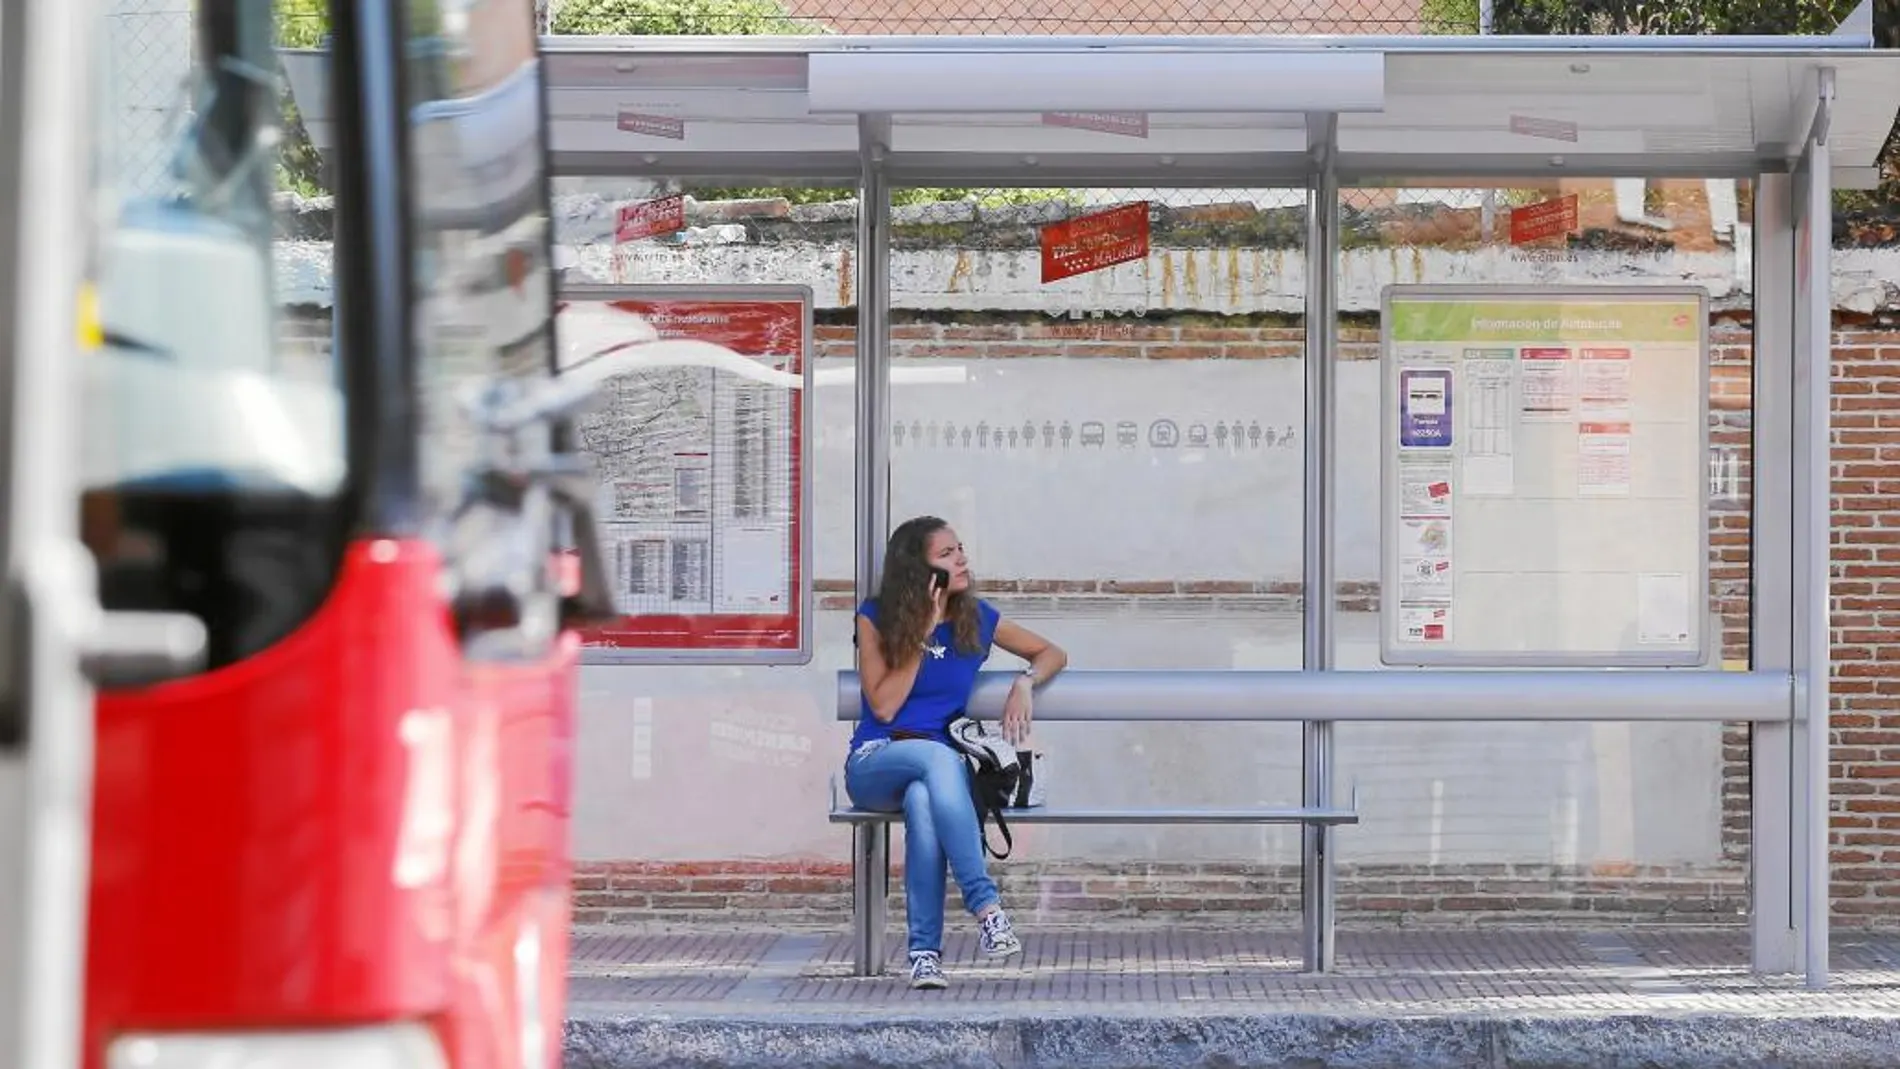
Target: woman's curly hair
903	597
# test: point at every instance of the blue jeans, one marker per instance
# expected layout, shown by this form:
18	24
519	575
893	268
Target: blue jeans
928	781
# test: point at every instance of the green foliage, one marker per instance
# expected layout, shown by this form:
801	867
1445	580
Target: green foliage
795	195
983	198
299	24
986	198
1448	16
1670	16
691	18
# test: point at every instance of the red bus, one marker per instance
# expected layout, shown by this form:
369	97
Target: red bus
329	449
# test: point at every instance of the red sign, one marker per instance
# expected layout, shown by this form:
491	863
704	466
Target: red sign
1546	219
650	218
705	536
633	122
1124	123
1092	242
1548	129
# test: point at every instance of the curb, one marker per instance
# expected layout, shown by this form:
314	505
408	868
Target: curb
1233	1041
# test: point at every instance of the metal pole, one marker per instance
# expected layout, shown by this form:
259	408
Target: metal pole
873	385
1774	919
870	892
1814	373
1322	244
1414	696
49	611
1488	207
870	856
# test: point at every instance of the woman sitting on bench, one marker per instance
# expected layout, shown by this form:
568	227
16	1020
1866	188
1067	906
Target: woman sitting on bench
921	641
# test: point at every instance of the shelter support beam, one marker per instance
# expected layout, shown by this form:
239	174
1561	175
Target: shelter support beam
870	896
871	846
873	416
1812	403
1412	696
1317	871
1774	819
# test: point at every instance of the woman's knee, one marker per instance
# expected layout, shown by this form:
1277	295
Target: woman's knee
944	768
917	798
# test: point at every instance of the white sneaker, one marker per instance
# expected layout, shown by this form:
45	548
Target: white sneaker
926	971
998	937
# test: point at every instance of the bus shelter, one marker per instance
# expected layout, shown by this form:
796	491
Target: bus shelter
1799	118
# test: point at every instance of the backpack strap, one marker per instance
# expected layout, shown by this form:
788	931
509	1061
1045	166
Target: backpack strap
990	800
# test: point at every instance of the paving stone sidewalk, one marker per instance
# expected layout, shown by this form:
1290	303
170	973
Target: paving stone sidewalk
1379	972
1472	999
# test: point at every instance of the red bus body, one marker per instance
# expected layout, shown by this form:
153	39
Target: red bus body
248	824
340	835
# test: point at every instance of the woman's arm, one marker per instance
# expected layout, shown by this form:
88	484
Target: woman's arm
1046	660
887	688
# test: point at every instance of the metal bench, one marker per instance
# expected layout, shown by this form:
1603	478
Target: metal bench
1074	696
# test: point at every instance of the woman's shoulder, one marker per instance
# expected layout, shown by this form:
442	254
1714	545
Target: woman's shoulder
987	617
868	609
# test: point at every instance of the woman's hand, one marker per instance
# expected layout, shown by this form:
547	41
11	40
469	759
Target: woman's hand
1018	710
939	606
1046	660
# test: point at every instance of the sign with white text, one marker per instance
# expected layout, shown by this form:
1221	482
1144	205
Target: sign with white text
1093	242
1545	495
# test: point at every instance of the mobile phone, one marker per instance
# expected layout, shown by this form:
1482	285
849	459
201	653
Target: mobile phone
939	578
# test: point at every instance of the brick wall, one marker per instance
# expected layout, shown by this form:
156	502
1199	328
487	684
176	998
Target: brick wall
1866	724
1070	892
1865	762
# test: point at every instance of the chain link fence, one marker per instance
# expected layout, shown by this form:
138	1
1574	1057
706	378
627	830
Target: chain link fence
1112	16
148	85
149	42
1004	17
965	17
147	78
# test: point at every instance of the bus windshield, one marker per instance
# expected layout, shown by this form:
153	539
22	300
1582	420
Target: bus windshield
214	451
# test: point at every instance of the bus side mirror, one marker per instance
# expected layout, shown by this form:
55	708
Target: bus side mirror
580	572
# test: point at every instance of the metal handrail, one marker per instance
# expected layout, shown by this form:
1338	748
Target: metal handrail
1680	695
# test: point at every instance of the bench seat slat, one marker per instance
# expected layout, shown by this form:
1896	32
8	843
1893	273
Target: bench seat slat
1048	815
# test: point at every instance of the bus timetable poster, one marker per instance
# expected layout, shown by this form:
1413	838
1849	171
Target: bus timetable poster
702	458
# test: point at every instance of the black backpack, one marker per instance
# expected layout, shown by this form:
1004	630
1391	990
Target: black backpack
995	774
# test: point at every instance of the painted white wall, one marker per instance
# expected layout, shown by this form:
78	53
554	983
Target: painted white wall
716	763
700	763
1212	280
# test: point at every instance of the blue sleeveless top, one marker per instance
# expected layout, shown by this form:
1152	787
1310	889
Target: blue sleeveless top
944	681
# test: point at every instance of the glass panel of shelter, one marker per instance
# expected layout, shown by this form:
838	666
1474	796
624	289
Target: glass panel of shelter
1072	373
1618	819
749	749
1102	388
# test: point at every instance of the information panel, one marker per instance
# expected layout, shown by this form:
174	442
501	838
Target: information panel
1543	462
702	455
